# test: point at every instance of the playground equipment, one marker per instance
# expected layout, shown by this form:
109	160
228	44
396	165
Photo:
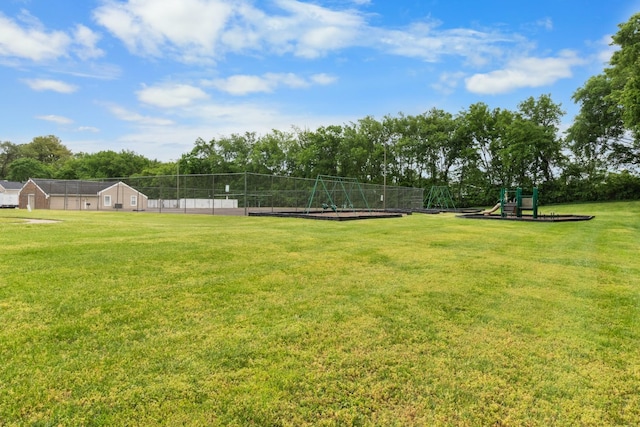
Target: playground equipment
440	198
512	203
340	193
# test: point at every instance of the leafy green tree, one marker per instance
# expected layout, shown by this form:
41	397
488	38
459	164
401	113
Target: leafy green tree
234	152
466	177
423	147
158	169
444	147
597	136
202	159
505	149
103	164
46	149
624	72
363	145
318	152
268	153
547	146
608	125
494	151
518	155
477	128
400	148
8	153
403	149
72	169
22	169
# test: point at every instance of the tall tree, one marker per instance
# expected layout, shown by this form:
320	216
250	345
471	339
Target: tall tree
103	164
268	155
518	154
235	151
624	72
202	159
445	147
8	153
46	149
318	152
368	138
547	145
597	136
478	128
403	150
24	168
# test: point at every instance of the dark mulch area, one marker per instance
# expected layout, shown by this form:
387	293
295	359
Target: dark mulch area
446	210
530	218
335	216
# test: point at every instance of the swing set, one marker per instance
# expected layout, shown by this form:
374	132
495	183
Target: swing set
338	194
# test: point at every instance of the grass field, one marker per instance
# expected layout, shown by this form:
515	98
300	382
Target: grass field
147	319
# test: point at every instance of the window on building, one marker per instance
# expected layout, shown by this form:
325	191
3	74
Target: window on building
134	200
107	200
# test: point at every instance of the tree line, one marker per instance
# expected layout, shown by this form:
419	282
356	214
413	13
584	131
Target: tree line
474	152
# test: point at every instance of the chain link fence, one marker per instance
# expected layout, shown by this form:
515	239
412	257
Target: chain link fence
241	193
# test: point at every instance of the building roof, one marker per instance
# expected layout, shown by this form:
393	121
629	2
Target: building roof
67	187
10	185
120	183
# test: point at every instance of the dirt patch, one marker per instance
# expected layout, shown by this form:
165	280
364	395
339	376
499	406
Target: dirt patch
40	221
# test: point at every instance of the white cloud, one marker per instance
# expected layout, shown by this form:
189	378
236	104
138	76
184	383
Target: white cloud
605	49
86	41
56	119
448	82
213	120
203	30
243	84
206	30
171	95
425	41
321	30
129	116
91	70
323	79
32	42
188	28
53	85
26	38
524	72
289	80
88	129
545	23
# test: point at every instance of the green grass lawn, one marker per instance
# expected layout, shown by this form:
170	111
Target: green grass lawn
147	319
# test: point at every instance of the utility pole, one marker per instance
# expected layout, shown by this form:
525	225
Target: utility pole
178	183
384	181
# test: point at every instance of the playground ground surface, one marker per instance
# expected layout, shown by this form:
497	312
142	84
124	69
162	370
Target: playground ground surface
338	215
540	218
349	215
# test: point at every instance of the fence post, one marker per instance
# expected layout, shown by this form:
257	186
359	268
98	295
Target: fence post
213	194
245	193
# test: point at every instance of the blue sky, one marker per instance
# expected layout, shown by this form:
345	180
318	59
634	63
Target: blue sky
154	75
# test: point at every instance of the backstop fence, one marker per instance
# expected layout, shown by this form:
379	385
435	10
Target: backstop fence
241	193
